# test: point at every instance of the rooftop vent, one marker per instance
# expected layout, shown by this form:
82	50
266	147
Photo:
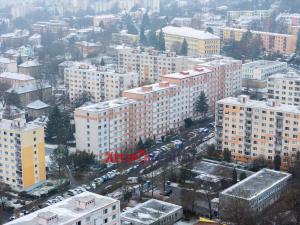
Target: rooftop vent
47	218
243	98
147	88
185	72
164	84
199	69
85	202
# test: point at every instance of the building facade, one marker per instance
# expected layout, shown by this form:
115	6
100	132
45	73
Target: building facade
271	42
22	161
150	111
256	73
100	83
255	193
83	209
284	88
16	79
250	129
8	65
150	64
200	43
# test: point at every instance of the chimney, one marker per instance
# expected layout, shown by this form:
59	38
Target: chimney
146	88
243	98
185	72
164	84
47	218
85	202
199	69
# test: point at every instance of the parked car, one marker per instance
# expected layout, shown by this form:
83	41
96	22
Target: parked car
168	192
59	198
71	192
86	187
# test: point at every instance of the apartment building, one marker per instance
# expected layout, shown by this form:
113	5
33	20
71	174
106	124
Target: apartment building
192	83
261	14
107	20
84	209
31	68
290	19
256	73
271	42
15	39
149	111
105	126
251	129
160	109
125	5
284	88
22	152
229	73
152	212
200	43
8	65
51	26
256	192
149	64
16	79
101	83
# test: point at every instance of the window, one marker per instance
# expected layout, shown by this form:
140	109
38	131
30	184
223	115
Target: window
114	207
78	223
105	211
105	220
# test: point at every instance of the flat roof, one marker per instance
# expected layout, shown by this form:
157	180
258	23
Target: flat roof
288	76
261	64
103	106
16	76
188	73
189	32
256	184
278	107
150	211
66	210
150	88
258	32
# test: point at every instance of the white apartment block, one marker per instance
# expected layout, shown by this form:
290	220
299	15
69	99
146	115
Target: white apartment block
289	19
284	88
261	69
149	63
84	209
105	126
250	129
101	83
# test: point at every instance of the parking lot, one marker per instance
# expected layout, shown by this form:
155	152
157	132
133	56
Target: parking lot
112	180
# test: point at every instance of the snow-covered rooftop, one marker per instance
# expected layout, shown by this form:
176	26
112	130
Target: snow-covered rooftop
256	184
30	63
103	106
150	211
37	105
188	73
268	105
16	76
66	210
188	32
